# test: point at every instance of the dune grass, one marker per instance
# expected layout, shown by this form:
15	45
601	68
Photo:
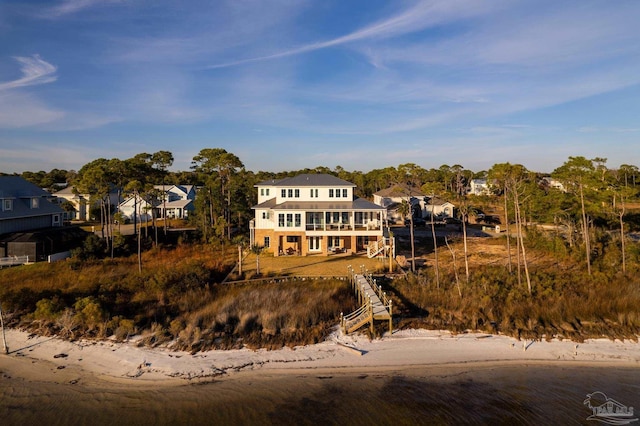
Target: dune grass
179	297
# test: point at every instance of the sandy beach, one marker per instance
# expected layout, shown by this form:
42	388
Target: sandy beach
410	377
51	359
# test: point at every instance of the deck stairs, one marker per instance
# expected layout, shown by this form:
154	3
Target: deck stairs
375	248
374	304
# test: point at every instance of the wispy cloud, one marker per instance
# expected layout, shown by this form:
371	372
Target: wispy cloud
35	70
22	110
422	15
68	7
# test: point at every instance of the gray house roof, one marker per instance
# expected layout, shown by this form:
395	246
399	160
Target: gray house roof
399	191
306	180
357	204
21	192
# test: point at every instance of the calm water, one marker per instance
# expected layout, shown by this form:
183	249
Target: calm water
507	394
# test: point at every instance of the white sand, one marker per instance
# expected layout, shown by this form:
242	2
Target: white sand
119	362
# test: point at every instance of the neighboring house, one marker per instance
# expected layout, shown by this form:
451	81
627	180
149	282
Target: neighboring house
136	209
478	187
550	182
178	202
315	214
392	198
25	207
81	202
438	207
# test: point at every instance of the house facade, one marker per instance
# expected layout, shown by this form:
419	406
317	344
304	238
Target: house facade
478	187
422	205
392	198
314	214
438	207
25	207
176	203
81	202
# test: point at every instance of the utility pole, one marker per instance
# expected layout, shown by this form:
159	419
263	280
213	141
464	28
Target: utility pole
4	338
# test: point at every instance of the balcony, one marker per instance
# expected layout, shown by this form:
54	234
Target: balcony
345	227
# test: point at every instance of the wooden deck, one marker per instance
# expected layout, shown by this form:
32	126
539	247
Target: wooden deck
375	305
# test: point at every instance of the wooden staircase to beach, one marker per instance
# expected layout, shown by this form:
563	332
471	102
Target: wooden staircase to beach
374	304
375	248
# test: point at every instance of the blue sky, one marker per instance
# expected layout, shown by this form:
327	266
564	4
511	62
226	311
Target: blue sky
287	84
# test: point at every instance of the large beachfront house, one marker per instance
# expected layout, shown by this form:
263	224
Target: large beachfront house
315	214
25	207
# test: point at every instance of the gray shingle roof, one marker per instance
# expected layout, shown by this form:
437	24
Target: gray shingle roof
357	204
399	191
315	180
21	192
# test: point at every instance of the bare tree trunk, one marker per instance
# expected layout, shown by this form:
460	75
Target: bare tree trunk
455	266
466	251
524	253
164	208
102	218
515	209
135	214
139	247
110	227
153	221
585	229
413	245
4	337
506	219
435	247
622	242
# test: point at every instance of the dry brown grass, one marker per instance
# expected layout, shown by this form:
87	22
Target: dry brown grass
309	266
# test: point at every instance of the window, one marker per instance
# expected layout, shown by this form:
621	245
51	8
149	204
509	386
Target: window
290	194
289	220
344	193
262	191
283	193
281	220
297	193
337	193
35	202
56	219
316	192
298	218
267	192
267	242
331	193
265	215
7	205
311	193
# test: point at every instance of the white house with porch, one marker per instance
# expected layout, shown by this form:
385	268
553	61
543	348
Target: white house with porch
81	202
391	199
177	203
316	214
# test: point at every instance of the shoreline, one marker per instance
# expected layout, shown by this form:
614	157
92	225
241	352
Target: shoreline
109	364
